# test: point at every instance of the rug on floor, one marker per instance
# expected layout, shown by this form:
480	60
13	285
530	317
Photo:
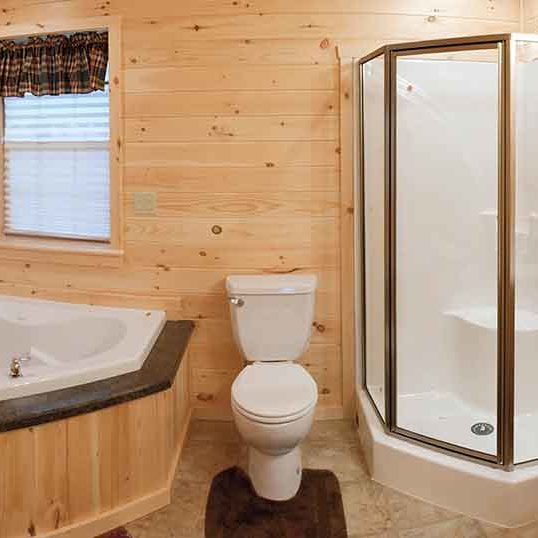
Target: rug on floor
120	532
234	510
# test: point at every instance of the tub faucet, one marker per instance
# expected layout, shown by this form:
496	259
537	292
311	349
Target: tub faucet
15	369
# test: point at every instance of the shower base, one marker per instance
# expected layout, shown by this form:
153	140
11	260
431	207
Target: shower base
475	489
447	417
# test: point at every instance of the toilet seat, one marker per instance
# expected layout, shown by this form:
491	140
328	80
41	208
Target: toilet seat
274	393
272	420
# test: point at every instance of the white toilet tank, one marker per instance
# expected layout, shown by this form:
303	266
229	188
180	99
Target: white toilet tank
272	315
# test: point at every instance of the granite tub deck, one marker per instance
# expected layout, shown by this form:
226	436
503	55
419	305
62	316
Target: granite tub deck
157	374
80	461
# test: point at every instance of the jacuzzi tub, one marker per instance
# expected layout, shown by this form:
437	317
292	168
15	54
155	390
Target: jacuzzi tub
62	345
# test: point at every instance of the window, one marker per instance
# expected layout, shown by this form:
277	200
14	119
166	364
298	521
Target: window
56	166
61	141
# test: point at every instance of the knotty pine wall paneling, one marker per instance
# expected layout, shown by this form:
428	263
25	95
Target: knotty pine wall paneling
231	117
530	16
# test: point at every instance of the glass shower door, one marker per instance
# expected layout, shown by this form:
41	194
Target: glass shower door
373	228
445	246
526	253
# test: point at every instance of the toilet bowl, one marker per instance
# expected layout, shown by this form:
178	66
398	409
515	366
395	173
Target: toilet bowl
273	406
273	398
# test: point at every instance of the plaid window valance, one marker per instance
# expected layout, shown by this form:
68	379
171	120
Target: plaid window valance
54	65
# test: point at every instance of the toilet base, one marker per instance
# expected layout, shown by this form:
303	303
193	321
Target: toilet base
276	478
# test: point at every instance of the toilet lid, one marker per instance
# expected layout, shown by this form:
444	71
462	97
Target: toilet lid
274	390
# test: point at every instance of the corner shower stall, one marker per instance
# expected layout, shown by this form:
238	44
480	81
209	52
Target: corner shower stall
447	179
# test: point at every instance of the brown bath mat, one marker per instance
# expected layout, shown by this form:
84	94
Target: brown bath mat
120	532
235	511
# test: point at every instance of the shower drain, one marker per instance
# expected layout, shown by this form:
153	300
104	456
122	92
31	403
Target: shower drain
482	428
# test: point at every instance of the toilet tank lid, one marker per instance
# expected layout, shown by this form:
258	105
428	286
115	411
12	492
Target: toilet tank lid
270	284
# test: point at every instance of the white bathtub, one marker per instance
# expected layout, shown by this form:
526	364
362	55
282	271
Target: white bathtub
62	345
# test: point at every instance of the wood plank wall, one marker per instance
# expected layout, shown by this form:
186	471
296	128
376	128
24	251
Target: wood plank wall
530	16
231	118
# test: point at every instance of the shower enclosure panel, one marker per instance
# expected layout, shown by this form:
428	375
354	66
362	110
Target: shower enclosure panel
526	250
448	233
372	112
445	143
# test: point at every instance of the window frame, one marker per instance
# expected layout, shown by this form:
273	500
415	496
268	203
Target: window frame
20	246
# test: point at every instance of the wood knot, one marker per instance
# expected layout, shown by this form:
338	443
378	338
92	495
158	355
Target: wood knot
204	397
216	229
324	43
281	270
319	327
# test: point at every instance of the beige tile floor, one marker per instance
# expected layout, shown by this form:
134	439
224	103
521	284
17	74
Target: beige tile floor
371	510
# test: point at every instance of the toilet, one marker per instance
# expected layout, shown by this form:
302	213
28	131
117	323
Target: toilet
273	398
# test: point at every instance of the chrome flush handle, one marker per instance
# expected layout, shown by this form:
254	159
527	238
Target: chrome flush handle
237	301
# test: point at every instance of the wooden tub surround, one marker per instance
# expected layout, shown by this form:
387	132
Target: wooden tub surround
80	461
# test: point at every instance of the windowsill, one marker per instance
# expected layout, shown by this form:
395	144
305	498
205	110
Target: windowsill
64	251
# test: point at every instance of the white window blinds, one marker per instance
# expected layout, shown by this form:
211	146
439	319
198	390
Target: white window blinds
56	166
